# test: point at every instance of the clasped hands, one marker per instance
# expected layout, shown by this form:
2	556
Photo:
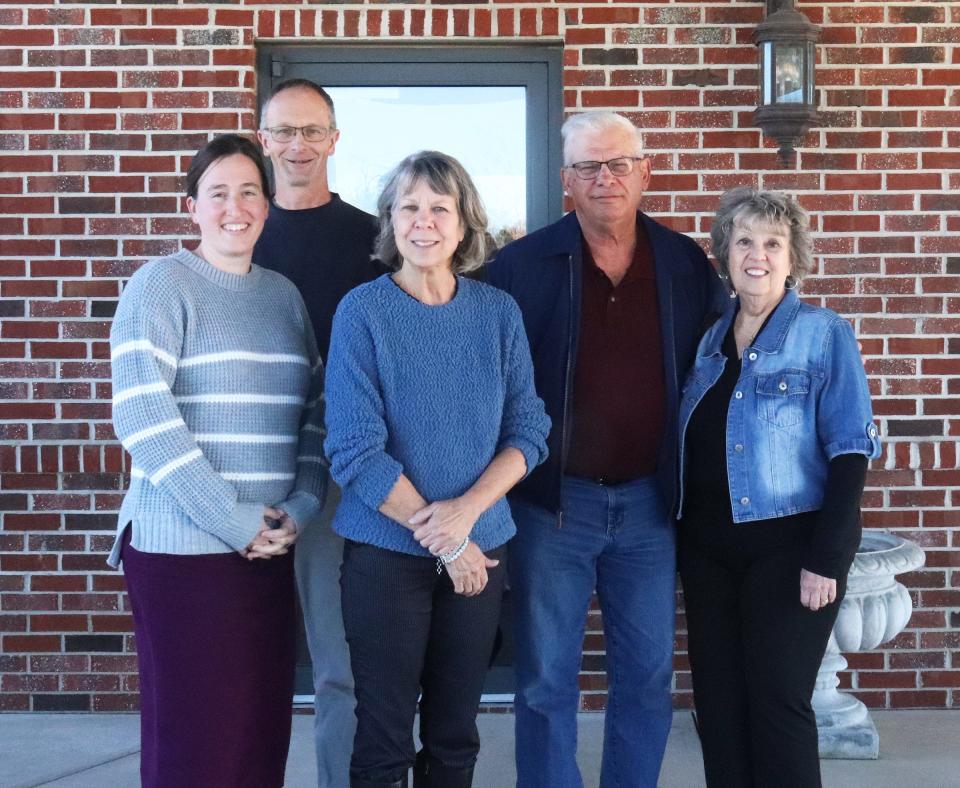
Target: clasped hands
441	527
277	533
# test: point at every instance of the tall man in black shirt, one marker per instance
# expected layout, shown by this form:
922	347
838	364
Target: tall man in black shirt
323	245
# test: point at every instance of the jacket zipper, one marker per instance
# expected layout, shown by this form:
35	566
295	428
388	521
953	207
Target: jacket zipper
566	386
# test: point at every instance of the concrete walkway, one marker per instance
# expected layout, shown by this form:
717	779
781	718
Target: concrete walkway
917	748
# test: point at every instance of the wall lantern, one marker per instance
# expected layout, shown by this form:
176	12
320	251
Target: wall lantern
787	41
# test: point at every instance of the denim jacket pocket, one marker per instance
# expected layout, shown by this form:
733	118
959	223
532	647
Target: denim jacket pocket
782	397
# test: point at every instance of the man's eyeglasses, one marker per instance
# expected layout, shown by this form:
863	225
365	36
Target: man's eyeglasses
309	133
620	166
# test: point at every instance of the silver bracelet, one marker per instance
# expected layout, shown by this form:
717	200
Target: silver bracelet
453	555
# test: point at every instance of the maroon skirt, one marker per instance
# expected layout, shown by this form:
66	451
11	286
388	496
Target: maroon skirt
216	650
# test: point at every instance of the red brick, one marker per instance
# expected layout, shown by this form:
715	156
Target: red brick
919	699
351	23
941	76
849	223
180	17
225	17
87	122
916	98
25	37
30	643
209	120
152	36
889	35
124	100
112	17
610	98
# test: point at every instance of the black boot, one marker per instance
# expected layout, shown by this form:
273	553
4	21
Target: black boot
359	782
430	773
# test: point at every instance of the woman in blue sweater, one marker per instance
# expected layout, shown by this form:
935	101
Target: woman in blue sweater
431	418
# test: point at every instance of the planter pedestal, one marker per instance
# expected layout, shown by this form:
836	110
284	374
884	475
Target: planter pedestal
875	609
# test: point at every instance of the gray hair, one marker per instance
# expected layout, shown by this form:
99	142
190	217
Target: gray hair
299	84
596	121
745	206
445	175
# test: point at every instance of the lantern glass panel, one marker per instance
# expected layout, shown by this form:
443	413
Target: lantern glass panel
766	71
789	74
811	66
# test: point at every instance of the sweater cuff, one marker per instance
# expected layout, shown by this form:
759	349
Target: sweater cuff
302	507
530	452
374	483
242	525
831	566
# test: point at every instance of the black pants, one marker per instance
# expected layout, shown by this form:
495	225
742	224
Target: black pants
410	634
755	652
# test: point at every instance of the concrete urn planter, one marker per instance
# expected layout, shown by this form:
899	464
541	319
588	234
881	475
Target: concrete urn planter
875	609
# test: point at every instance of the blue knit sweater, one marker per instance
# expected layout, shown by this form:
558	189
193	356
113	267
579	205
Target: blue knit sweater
433	392
217	395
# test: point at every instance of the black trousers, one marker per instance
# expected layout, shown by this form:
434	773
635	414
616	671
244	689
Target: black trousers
754	651
410	634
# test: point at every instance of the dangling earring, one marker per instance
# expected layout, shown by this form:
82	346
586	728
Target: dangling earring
729	283
790	283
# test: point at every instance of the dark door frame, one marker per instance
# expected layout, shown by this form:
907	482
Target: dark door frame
537	68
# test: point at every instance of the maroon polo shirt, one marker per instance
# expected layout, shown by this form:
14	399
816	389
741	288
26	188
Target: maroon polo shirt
619	399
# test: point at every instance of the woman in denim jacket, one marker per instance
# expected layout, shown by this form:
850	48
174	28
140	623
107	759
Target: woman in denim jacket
775	432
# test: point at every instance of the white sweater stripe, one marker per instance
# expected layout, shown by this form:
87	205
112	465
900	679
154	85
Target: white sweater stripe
258	477
243	355
244	399
139	391
146	345
171	466
242	437
149	432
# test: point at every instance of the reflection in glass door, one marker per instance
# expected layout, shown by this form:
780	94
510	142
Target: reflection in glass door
483	127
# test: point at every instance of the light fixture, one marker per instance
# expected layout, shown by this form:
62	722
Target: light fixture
787	41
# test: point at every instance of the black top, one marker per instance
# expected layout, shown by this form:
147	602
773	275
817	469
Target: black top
324	251
834	529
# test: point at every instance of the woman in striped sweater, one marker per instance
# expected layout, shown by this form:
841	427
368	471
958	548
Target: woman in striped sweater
217	396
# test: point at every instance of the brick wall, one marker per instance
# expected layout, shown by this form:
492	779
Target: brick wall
103	104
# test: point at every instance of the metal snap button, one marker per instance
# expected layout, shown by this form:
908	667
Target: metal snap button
738	447
752	356
782	386
744	500
738	395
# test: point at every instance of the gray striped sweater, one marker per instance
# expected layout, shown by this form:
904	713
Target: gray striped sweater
217	396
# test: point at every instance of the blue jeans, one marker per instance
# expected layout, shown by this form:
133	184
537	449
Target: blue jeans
618	540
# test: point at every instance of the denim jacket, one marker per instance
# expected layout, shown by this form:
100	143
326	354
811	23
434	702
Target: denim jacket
801	400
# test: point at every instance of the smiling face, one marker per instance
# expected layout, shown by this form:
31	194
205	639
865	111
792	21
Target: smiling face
759	260
605	200
426	227
298	163
230	209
